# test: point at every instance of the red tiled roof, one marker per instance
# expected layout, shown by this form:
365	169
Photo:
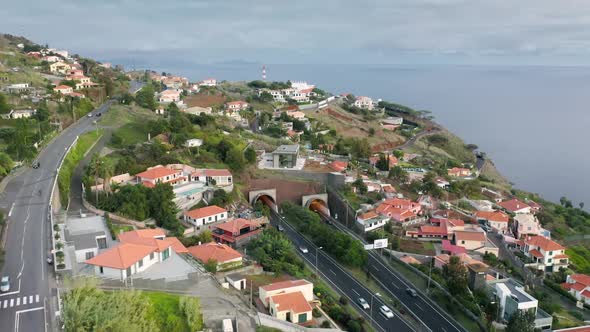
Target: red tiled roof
409	260
284	284
576	329
237	102
586	293
62	87
470	236
581	278
368	215
453	249
205	212
560	256
536	253
235	225
216	251
217	172
543	243
513	205
148	237
295	302
338	166
456	222
157	172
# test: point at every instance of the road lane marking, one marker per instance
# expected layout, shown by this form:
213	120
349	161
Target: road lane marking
417	305
11	303
24	300
31	299
17	301
357	293
5	304
394	285
17	316
37	298
11	207
442	328
334	273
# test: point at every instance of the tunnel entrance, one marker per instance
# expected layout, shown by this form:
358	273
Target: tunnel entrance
266	200
320	207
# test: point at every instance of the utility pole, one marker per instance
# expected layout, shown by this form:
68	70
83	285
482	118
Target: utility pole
251	282
96	181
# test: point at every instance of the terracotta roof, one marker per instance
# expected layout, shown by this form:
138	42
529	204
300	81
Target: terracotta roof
62	87
145	233
216	251
237	102
453	249
433	230
284	284
338	166
470	236
388	188
577	286
534	204
157	172
543	243
368	215
294	302
409	260
561	256
536	253
576	329
121	256
581	278
205	212
217	172
496	216
235	225
586	293
148	237
177	246
513	205
455	222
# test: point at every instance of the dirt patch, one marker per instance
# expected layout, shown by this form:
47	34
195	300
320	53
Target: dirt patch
204	100
385	146
316	166
338	115
417	247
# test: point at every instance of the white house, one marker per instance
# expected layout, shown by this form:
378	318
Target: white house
20	114
288	300
512	297
237	105
364	102
205	215
161	174
371	220
208	82
547	254
193	142
579	286
169	96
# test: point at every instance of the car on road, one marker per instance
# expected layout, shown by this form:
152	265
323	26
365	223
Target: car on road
281	228
89	115
363	303
303	249
50	259
36	164
385	311
5	284
412	292
98	114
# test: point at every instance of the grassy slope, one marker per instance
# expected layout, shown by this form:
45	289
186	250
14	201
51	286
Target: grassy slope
130	121
166	309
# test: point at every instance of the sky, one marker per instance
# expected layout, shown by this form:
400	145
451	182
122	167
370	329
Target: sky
507	32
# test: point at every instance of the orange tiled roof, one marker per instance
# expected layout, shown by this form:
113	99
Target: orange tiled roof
217	172
235	225
497	216
368	215
205	212
513	205
581	278
544	243
470	236
294	302
157	172
536	253
121	256
216	251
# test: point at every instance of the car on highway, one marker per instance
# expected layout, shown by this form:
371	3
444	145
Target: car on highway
90	115
36	164
412	292
281	228
385	311
5	284
303	249
363	303
98	114
50	259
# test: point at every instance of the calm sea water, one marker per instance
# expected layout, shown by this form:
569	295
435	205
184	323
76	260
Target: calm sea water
534	122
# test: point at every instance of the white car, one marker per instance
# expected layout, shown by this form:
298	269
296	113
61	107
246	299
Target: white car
5	284
89	115
363	303
303	250
385	311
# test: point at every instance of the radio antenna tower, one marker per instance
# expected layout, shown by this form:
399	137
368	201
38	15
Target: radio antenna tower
264	73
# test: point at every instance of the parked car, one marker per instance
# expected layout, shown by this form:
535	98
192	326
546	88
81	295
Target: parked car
98	114
90	114
50	259
36	164
385	311
5	284
412	292
303	249
363	303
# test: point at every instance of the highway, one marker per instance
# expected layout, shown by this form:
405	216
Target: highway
31	300
395	284
343	281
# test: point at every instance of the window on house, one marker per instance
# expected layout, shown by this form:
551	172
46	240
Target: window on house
210	218
151	256
89	254
101	242
140	263
229	179
101	270
550	253
462	242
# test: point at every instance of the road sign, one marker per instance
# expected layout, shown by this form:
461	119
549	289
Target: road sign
369	246
380	243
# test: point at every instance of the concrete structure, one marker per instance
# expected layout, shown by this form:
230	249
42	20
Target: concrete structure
18	88
364	102
371	220
237	232
160	174
306	200
236	280
403	211
459	172
193	142
511	297
526	224
254	195
169	96
22	114
87	235
285	156
237	105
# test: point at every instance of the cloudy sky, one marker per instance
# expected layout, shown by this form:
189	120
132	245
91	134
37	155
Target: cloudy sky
555	32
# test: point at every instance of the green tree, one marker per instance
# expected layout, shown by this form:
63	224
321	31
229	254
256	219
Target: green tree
456	276
360	148
383	163
235	159
398	154
163	209
191	307
250	155
146	97
6	164
397	173
371	131
521	321
211	265
360	186
4	107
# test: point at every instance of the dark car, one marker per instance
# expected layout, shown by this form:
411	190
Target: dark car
36	164
50	259
98	114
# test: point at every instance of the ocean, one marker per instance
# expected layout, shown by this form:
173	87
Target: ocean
533	122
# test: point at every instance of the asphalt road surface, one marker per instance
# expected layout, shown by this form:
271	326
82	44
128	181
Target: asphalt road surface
26	306
344	282
396	285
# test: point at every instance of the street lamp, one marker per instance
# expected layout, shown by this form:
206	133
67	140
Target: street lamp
429	274
316	259
371	314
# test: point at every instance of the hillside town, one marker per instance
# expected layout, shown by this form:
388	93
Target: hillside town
265	206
